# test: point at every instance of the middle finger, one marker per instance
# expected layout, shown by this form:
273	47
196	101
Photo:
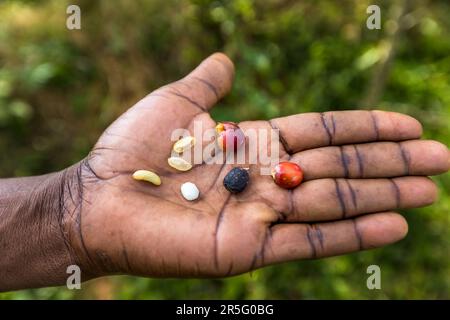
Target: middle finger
374	160
334	199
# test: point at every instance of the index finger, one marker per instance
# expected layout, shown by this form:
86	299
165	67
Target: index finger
312	130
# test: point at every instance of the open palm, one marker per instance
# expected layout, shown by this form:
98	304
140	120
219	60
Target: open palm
358	165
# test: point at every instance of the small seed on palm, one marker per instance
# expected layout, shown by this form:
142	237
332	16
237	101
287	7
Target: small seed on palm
236	180
146	175
189	191
184	144
229	136
179	164
287	175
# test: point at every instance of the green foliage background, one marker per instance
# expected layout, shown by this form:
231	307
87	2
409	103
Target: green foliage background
59	89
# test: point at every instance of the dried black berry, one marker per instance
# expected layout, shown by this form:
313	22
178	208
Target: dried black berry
236	180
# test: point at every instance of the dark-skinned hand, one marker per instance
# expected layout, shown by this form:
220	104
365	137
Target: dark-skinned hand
359	166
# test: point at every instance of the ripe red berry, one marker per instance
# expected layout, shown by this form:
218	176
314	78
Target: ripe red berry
287	175
229	136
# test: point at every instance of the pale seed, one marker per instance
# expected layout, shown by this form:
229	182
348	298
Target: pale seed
189	191
184	144
146	175
179	164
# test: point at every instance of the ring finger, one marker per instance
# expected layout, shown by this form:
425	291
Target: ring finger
334	199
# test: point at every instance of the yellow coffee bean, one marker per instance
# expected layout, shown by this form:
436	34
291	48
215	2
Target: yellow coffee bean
146	175
184	144
179	164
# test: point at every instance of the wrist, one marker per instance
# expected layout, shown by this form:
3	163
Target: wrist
36	216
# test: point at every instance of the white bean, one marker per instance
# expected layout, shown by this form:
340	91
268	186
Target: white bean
189	191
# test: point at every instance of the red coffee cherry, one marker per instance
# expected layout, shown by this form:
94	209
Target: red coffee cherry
229	136
287	175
